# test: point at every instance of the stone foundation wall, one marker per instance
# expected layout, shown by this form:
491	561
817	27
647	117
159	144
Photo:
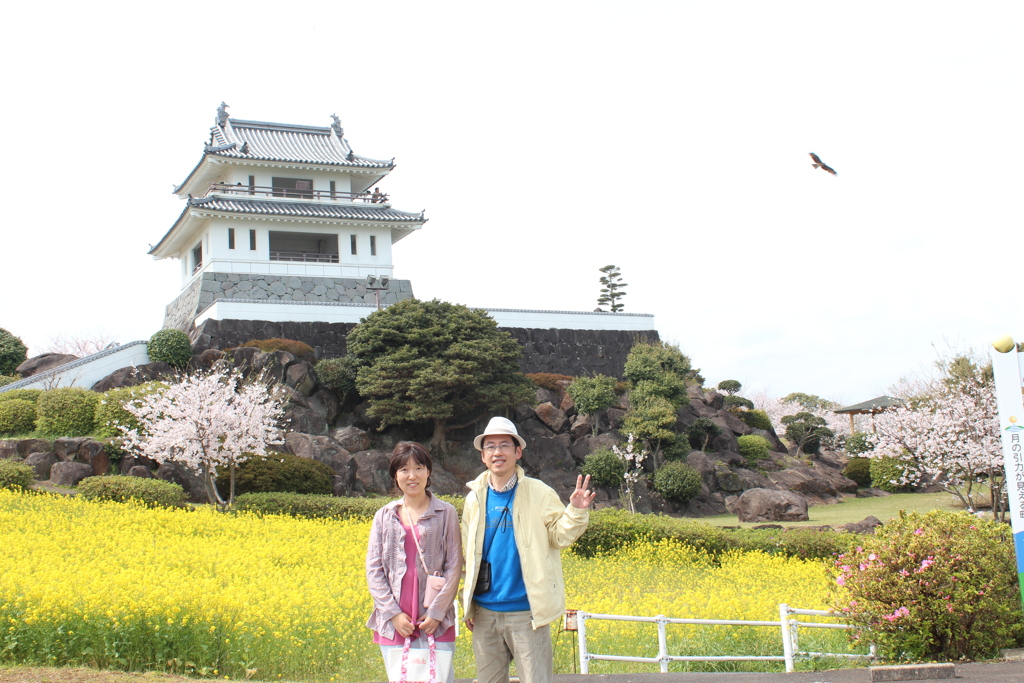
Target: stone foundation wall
567	352
209	287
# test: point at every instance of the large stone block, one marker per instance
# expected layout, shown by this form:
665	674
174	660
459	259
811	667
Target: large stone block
767	505
42	462
69	473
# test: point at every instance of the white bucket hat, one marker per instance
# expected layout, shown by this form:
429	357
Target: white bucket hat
499	425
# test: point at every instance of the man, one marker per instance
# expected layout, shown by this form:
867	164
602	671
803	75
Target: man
513	528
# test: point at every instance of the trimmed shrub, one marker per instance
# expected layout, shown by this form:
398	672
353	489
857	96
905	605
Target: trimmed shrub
753	447
857	443
738	402
886	472
757	419
170	346
337	373
296	348
13	352
152	492
68	411
677	481
549	380
859	469
30	395
14	476
110	411
604	467
278	473
17	416
730	386
701	431
935	587
592	394
8	379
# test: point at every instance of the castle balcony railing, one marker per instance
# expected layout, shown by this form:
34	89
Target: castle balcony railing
297	193
303	256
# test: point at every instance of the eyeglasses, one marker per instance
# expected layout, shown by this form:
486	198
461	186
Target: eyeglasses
503	447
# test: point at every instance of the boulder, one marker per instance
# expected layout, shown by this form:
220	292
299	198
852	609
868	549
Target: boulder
567	405
208	357
372	471
614	416
300	376
865	526
67	447
523	412
140	471
767	505
69	473
714	399
26	447
128	462
581	448
326	403
582	425
9	449
94	453
42	462
134	376
326	450
533	427
546	396
186	479
547	452
43	362
700	461
352	439
551	416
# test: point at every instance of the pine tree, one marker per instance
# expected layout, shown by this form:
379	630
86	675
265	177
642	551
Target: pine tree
611	292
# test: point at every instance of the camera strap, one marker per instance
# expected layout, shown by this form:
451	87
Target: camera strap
506	510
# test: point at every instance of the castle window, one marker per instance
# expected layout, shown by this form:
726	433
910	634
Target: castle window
252	184
292	187
252	240
231	238
197	257
309	247
352	243
373	245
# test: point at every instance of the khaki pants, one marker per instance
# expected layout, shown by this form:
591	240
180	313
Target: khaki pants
500	637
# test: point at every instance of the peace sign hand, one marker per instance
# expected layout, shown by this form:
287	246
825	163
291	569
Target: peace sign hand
581	498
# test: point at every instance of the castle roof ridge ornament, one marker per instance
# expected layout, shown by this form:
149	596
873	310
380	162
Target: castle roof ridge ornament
222	114
337	126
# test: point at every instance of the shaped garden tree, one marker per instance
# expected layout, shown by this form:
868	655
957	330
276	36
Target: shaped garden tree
432	360
611	292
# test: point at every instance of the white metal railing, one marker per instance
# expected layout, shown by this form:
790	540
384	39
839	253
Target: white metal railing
789	628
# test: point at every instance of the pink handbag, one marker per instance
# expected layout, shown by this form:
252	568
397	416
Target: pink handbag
435	582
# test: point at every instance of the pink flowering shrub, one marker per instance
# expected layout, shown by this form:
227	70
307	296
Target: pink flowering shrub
939	586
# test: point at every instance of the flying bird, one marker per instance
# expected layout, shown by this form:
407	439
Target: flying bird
818	163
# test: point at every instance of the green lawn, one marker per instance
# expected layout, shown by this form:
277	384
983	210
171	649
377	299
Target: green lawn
856	509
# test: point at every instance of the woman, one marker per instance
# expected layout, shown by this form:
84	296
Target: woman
394	568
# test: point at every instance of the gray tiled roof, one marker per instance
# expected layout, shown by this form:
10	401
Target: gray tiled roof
875	405
265	141
306	210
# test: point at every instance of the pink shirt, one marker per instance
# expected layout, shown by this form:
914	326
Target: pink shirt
409	597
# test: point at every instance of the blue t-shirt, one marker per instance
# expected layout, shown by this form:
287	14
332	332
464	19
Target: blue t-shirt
508	590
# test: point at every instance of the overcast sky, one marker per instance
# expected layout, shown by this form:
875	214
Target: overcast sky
548	139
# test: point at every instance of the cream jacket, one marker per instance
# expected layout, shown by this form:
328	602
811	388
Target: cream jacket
542	526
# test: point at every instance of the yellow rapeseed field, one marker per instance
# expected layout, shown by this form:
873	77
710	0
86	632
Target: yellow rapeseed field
123	586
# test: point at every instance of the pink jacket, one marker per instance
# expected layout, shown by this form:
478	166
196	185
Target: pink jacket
386	564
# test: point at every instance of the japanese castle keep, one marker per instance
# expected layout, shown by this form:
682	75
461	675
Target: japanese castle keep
286	233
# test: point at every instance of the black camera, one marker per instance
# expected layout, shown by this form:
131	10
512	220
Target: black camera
483	579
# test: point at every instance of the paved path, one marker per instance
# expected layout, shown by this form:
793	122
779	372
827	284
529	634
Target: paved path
973	672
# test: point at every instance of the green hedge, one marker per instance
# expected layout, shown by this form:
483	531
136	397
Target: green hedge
110	411
68	411
17	417
753	447
859	469
278	473
152	492
30	395
319	507
611	530
15	476
758	419
677	481
604	467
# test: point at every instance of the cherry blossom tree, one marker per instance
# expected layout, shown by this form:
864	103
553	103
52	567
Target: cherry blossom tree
204	422
632	458
948	434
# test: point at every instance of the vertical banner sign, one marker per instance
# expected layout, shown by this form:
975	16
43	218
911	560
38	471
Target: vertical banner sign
1009	383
